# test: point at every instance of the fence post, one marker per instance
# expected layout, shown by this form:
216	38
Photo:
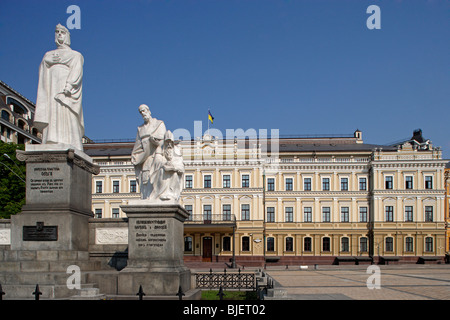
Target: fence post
180	293
37	293
140	293
221	294
1	292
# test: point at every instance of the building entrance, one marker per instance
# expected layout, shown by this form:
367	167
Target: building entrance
207	249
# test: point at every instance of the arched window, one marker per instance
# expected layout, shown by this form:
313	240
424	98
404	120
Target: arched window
5	115
345	244
389	244
270	244
307	244
326	244
409	246
289	244
363	244
429	244
21	124
17	106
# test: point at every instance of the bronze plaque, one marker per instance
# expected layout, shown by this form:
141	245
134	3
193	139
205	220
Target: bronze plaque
40	232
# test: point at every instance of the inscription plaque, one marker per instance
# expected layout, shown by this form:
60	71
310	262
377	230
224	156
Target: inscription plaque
151	233
40	232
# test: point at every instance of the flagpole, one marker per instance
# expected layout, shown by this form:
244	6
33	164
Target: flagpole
208	121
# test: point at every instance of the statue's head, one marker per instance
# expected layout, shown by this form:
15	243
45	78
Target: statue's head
145	112
62	36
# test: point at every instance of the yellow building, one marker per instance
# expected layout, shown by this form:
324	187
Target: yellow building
297	200
447	208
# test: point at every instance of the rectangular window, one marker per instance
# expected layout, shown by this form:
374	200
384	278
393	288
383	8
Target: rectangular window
325	184
344	214
226	212
188	208
226	179
188	182
207	181
389	210
133	186
428	182
207	213
270	244
307	214
362	214
388	182
289	244
245	181
429	244
270	214
98	213
245	243
115	212
307	184
362	184
188	244
270	184
344	184
289	184
408	214
326	213
98	186
226	243
245	212
289	213
116	186
363	244
428	214
408	182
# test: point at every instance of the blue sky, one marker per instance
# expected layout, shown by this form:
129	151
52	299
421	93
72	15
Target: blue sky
303	67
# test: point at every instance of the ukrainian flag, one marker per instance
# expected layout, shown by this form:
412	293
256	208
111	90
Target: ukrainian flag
210	117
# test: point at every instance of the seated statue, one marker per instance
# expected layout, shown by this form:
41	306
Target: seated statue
169	179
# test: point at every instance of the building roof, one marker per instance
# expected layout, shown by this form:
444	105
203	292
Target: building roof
285	146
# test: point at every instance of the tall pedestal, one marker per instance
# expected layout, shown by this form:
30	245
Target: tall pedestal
58	200
155	250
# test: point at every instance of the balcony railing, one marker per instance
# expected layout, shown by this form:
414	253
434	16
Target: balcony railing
211	219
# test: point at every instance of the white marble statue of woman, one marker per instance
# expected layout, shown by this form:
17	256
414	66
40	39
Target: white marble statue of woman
59	114
169	180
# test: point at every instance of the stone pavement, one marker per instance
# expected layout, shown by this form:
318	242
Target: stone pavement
397	282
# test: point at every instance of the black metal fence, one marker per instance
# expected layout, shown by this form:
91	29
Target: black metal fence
226	280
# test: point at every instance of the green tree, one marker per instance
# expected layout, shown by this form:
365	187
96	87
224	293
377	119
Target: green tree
12	180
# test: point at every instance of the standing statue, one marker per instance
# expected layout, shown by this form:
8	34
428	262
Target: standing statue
147	156
157	160
59	115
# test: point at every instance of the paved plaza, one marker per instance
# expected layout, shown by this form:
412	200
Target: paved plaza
399	282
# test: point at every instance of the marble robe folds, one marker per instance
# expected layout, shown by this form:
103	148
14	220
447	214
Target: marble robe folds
60	116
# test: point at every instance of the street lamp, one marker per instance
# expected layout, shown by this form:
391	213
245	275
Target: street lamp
8	157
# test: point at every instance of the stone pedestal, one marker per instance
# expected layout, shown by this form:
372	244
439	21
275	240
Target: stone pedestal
155	250
58	200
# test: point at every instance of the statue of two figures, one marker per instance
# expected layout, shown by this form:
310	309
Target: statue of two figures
59	116
157	160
